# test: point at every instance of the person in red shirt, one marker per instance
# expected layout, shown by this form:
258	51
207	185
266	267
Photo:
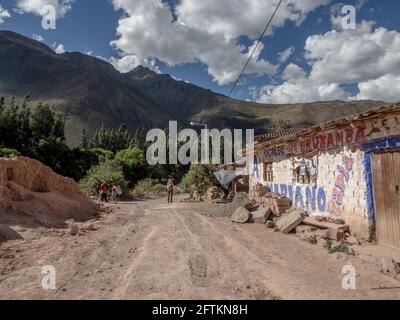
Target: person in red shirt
103	192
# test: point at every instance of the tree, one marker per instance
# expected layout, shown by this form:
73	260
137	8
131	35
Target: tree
38	132
112	139
84	142
108	171
199	178
134	164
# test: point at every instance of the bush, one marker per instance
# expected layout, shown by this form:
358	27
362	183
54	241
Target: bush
133	164
103	154
108	171
6	152
147	187
199	179
312	239
341	247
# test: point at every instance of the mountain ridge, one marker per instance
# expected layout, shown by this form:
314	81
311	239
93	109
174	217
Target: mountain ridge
91	92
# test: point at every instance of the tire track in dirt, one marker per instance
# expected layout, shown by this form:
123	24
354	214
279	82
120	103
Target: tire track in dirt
137	260
233	272
297	270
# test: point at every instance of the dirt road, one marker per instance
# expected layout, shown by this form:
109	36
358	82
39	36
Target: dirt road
152	250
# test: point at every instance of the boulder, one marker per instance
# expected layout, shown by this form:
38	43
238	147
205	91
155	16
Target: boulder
290	221
261	215
7	233
305	229
241	215
241	200
334	234
73	230
270	224
325	225
352	241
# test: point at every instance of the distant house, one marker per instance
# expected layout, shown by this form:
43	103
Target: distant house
348	168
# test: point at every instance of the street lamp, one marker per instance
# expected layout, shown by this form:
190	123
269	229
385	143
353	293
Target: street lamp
195	124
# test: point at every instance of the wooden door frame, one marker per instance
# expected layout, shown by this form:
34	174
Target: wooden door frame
372	154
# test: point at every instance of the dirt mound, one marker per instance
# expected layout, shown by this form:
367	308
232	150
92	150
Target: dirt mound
32	194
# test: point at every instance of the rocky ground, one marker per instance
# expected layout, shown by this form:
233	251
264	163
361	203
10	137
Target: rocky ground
152	250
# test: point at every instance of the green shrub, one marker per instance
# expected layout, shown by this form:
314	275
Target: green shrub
312	239
342	247
199	179
134	164
108	171
103	154
147	187
7	152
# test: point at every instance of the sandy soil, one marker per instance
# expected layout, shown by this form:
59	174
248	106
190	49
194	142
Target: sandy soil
152	250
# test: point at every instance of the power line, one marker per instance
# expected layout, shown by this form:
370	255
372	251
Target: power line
255	48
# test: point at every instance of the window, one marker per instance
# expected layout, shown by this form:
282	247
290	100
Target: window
268	172
302	174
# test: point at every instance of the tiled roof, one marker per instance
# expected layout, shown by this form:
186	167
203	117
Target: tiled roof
278	134
374	113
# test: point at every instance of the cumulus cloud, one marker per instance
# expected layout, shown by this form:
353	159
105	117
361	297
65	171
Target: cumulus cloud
385	88
284	55
204	31
58	48
299	88
4	14
367	56
37	7
293	71
37	37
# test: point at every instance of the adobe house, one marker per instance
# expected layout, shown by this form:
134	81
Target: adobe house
348	168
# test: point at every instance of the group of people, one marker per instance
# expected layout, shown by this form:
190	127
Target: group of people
116	191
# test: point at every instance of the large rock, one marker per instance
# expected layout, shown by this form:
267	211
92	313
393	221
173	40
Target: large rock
7	233
325	225
261	215
241	215
241	200
290	221
334	234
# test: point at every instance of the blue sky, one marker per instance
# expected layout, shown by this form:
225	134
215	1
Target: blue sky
159	34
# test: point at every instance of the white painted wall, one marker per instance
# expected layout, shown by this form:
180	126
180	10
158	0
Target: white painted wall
354	206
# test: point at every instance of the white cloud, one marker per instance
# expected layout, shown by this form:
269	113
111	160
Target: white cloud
4	14
201	31
284	55
301	89
58	48
293	71
385	88
37	6
37	37
367	57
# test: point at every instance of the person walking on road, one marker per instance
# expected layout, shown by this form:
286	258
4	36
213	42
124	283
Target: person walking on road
114	193
170	190
103	192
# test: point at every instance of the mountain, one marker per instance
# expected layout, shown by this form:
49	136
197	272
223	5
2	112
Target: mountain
91	92
88	90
